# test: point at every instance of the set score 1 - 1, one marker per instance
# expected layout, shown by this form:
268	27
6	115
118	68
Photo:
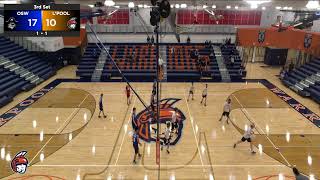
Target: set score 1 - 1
42	20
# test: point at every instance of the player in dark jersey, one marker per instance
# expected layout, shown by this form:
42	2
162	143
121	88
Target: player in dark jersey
133	119
101	107
136	143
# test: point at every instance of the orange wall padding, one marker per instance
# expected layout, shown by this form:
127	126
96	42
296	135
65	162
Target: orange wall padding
76	41
289	39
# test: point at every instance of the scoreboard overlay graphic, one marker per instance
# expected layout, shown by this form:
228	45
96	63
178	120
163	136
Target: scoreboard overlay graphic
42	20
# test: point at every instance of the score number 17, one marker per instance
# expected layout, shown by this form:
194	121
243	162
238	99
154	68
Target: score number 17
49	22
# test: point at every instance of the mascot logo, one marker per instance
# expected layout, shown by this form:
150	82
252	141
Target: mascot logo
261	36
147	124
19	163
72	23
12	23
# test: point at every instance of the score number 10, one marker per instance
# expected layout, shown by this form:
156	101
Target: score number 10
49	22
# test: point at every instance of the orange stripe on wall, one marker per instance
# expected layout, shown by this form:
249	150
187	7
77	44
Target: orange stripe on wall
76	41
289	39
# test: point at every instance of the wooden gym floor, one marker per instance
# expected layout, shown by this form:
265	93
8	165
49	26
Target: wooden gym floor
69	141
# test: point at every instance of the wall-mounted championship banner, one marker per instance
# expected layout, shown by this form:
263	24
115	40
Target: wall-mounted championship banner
261	36
307	40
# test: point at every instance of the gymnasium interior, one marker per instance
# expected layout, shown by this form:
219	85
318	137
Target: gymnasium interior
162	73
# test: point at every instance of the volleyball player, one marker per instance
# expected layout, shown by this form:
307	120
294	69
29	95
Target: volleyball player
101	106
136	143
128	94
204	95
248	135
167	137
191	92
174	123
133	119
226	110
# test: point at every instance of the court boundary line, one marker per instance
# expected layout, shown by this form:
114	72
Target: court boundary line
154	165
313	117
7	116
251	119
63	127
125	133
194	132
111	154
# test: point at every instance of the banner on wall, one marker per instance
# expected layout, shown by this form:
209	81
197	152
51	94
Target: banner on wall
308	42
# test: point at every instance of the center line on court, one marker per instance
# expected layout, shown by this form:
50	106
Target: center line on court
77	109
125	132
154	165
246	112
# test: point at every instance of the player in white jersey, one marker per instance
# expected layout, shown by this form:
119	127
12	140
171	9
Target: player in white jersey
191	92
174	122
167	137
226	110
247	136
204	95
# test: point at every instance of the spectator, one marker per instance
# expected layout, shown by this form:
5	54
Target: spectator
297	174
95	53
172	50
152	39
196	53
291	66
232	61
148	40
283	73
188	40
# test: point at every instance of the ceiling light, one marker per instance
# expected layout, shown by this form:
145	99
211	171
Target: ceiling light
285	8
312	4
145	6
236	7
140	5
254	3
183	5
131	5
90	5
312	177
228	7
254	6
177	6
214	6
109	3
172	6
263	8
117	7
204	6
290	8
278	7
8	2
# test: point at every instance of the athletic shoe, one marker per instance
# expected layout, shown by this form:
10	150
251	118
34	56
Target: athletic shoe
253	152
134	162
104	116
99	116
168	151
235	145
